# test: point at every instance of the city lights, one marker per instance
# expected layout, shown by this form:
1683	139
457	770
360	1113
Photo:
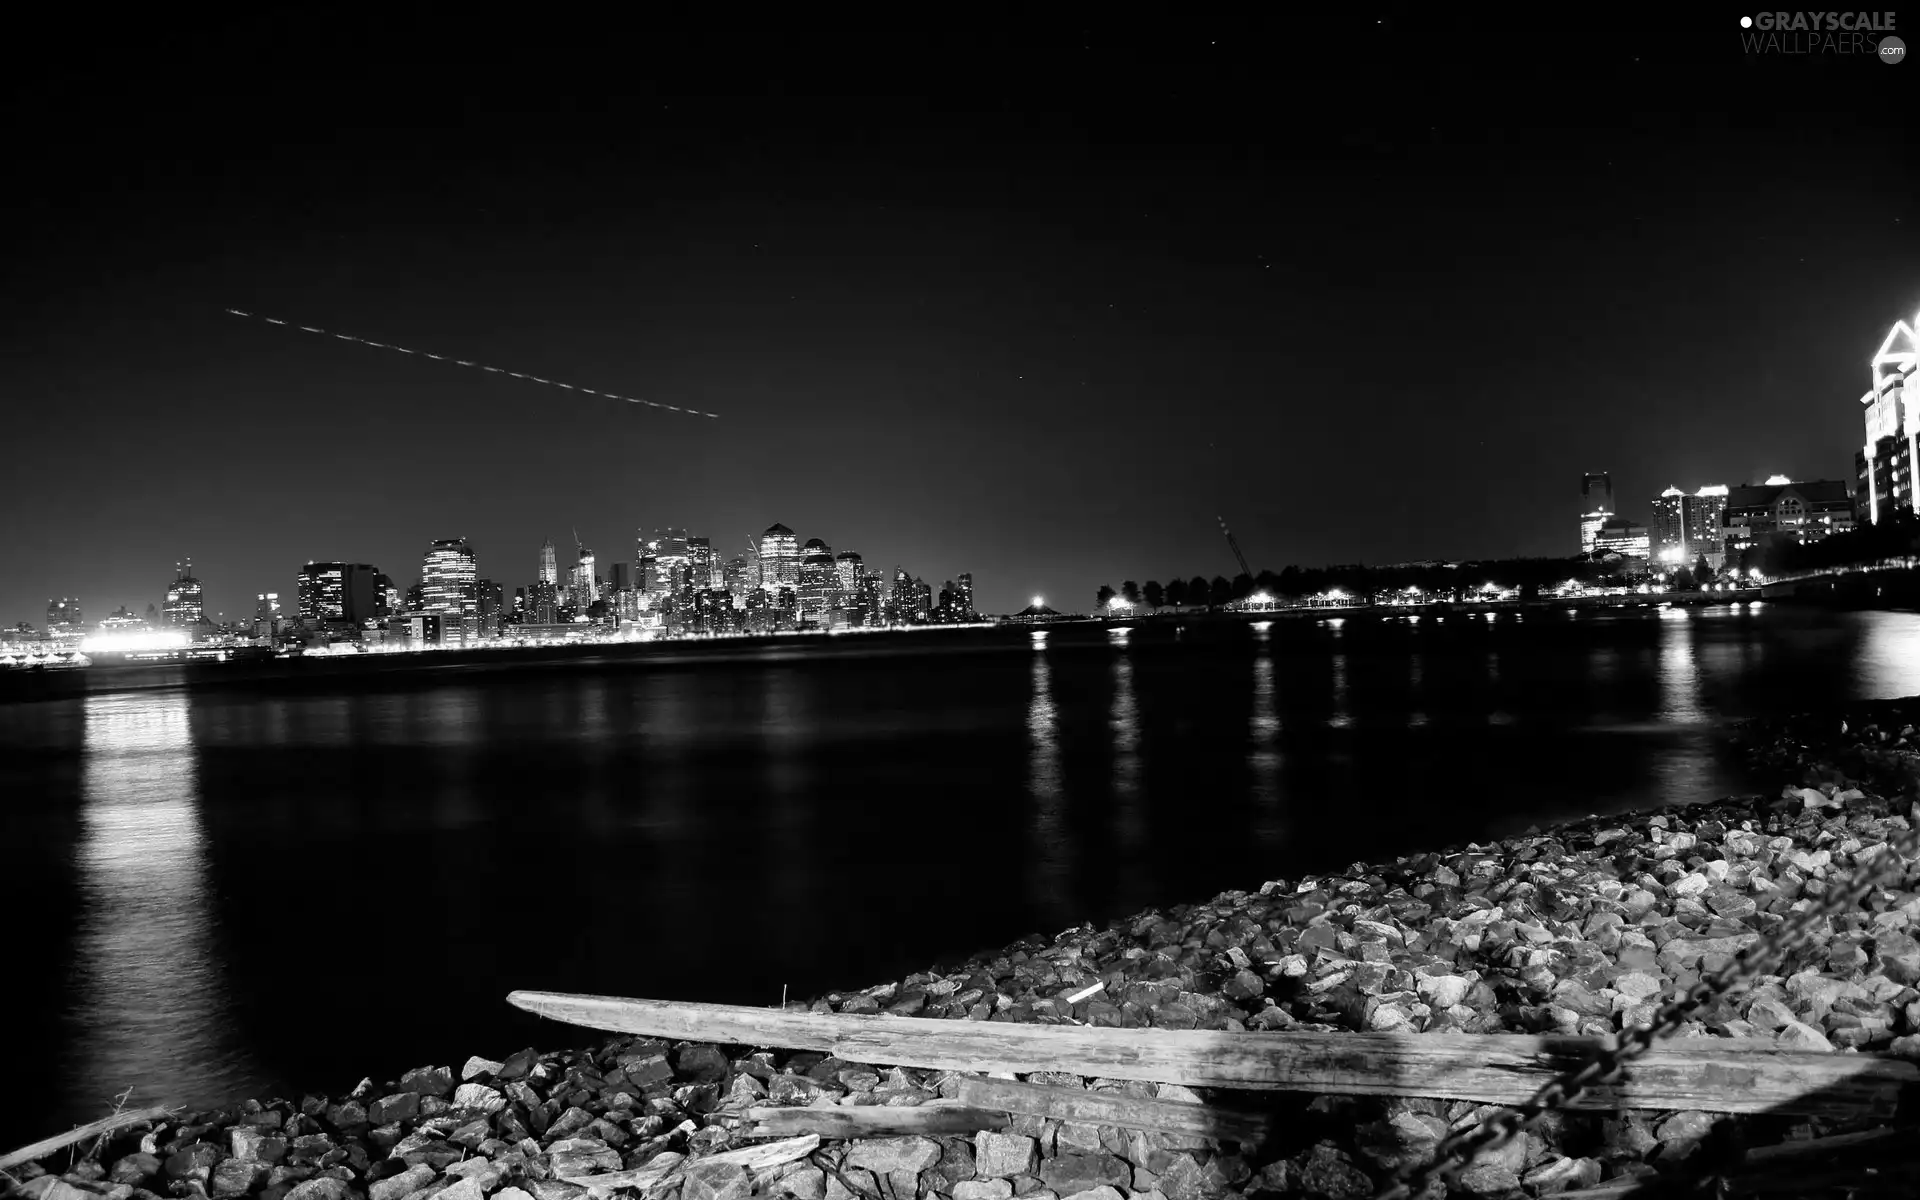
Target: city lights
135	643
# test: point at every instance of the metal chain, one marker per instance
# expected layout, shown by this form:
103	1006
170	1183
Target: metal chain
1456	1153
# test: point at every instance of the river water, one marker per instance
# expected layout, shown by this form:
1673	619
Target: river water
222	885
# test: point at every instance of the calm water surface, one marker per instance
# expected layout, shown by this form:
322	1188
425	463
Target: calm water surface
221	887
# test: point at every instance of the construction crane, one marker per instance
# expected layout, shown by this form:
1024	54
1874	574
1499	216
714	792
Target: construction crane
1235	547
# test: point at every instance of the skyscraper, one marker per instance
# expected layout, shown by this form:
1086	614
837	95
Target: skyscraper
186	603
1687	526
1596	505
448	580
701	564
779	559
584	587
818	581
622	577
1884	467
966	596
846	566
549	566
337	594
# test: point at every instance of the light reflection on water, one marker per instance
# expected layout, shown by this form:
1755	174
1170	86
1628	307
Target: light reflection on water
1052	848
151	990
1263	754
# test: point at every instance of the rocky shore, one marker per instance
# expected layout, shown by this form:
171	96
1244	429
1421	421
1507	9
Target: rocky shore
1583	929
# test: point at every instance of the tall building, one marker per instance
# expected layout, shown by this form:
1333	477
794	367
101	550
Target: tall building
623	577
584	586
1596	505
1689	526
740	578
846	567
386	597
543	603
266	614
819	582
702	567
966	595
186	599
1883	469
779	559
666	577
549	565
899	605
336	593
449	589
63	617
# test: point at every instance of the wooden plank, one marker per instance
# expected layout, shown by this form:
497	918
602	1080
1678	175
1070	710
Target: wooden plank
1112	1108
112	1124
875	1120
640	1178
1708	1074
765	1158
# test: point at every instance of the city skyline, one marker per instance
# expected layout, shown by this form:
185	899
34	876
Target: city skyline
971	304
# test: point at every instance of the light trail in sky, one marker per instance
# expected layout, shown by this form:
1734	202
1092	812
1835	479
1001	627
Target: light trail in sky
461	362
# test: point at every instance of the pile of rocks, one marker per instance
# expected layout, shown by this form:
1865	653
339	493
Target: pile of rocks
1581	930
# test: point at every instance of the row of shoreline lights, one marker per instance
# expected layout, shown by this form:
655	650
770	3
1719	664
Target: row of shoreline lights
1336	595
1258	599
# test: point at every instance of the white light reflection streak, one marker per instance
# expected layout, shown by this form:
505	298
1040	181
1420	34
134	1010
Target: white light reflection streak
1416	677
1263	738
1129	813
1044	786
1340	718
151	990
1495	714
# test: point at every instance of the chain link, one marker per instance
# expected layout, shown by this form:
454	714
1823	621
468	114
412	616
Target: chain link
1457	1152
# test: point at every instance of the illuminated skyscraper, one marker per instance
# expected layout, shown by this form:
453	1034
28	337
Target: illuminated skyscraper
818	582
1685	527
337	593
449	589
549	566
847	569
740	579
186	604
900	598
779	559
1596	505
584	586
667	576
1884	468
266	614
968	611
703	568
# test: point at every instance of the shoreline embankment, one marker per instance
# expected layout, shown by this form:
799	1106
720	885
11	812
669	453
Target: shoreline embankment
1579	931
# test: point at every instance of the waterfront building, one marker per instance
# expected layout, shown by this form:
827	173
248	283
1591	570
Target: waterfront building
549	565
583	588
386	597
543	604
448	582
666	562
1687	526
819	584
779	559
186	606
623	577
922	600
1883	468
740	577
491	598
1628	539
336	594
1596	505
702	567
873	598
966	595
63	618
266	614
1781	510
847	571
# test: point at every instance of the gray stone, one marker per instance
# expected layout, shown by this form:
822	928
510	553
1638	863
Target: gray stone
582	1156
1002	1155
1489	1179
1689	1126
1326	1171
477	1066
395	1187
511	1193
883	1156
463	1189
237	1177
1798	1035
134	1168
1559	1174
1075	1172
478	1096
1100	1193
324	1188
983	1189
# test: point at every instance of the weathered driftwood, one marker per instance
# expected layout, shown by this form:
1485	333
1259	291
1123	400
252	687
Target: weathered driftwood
1708	1074
875	1120
1112	1108
46	1146
665	1166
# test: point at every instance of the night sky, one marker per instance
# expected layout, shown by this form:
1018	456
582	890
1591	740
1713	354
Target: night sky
1036	303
